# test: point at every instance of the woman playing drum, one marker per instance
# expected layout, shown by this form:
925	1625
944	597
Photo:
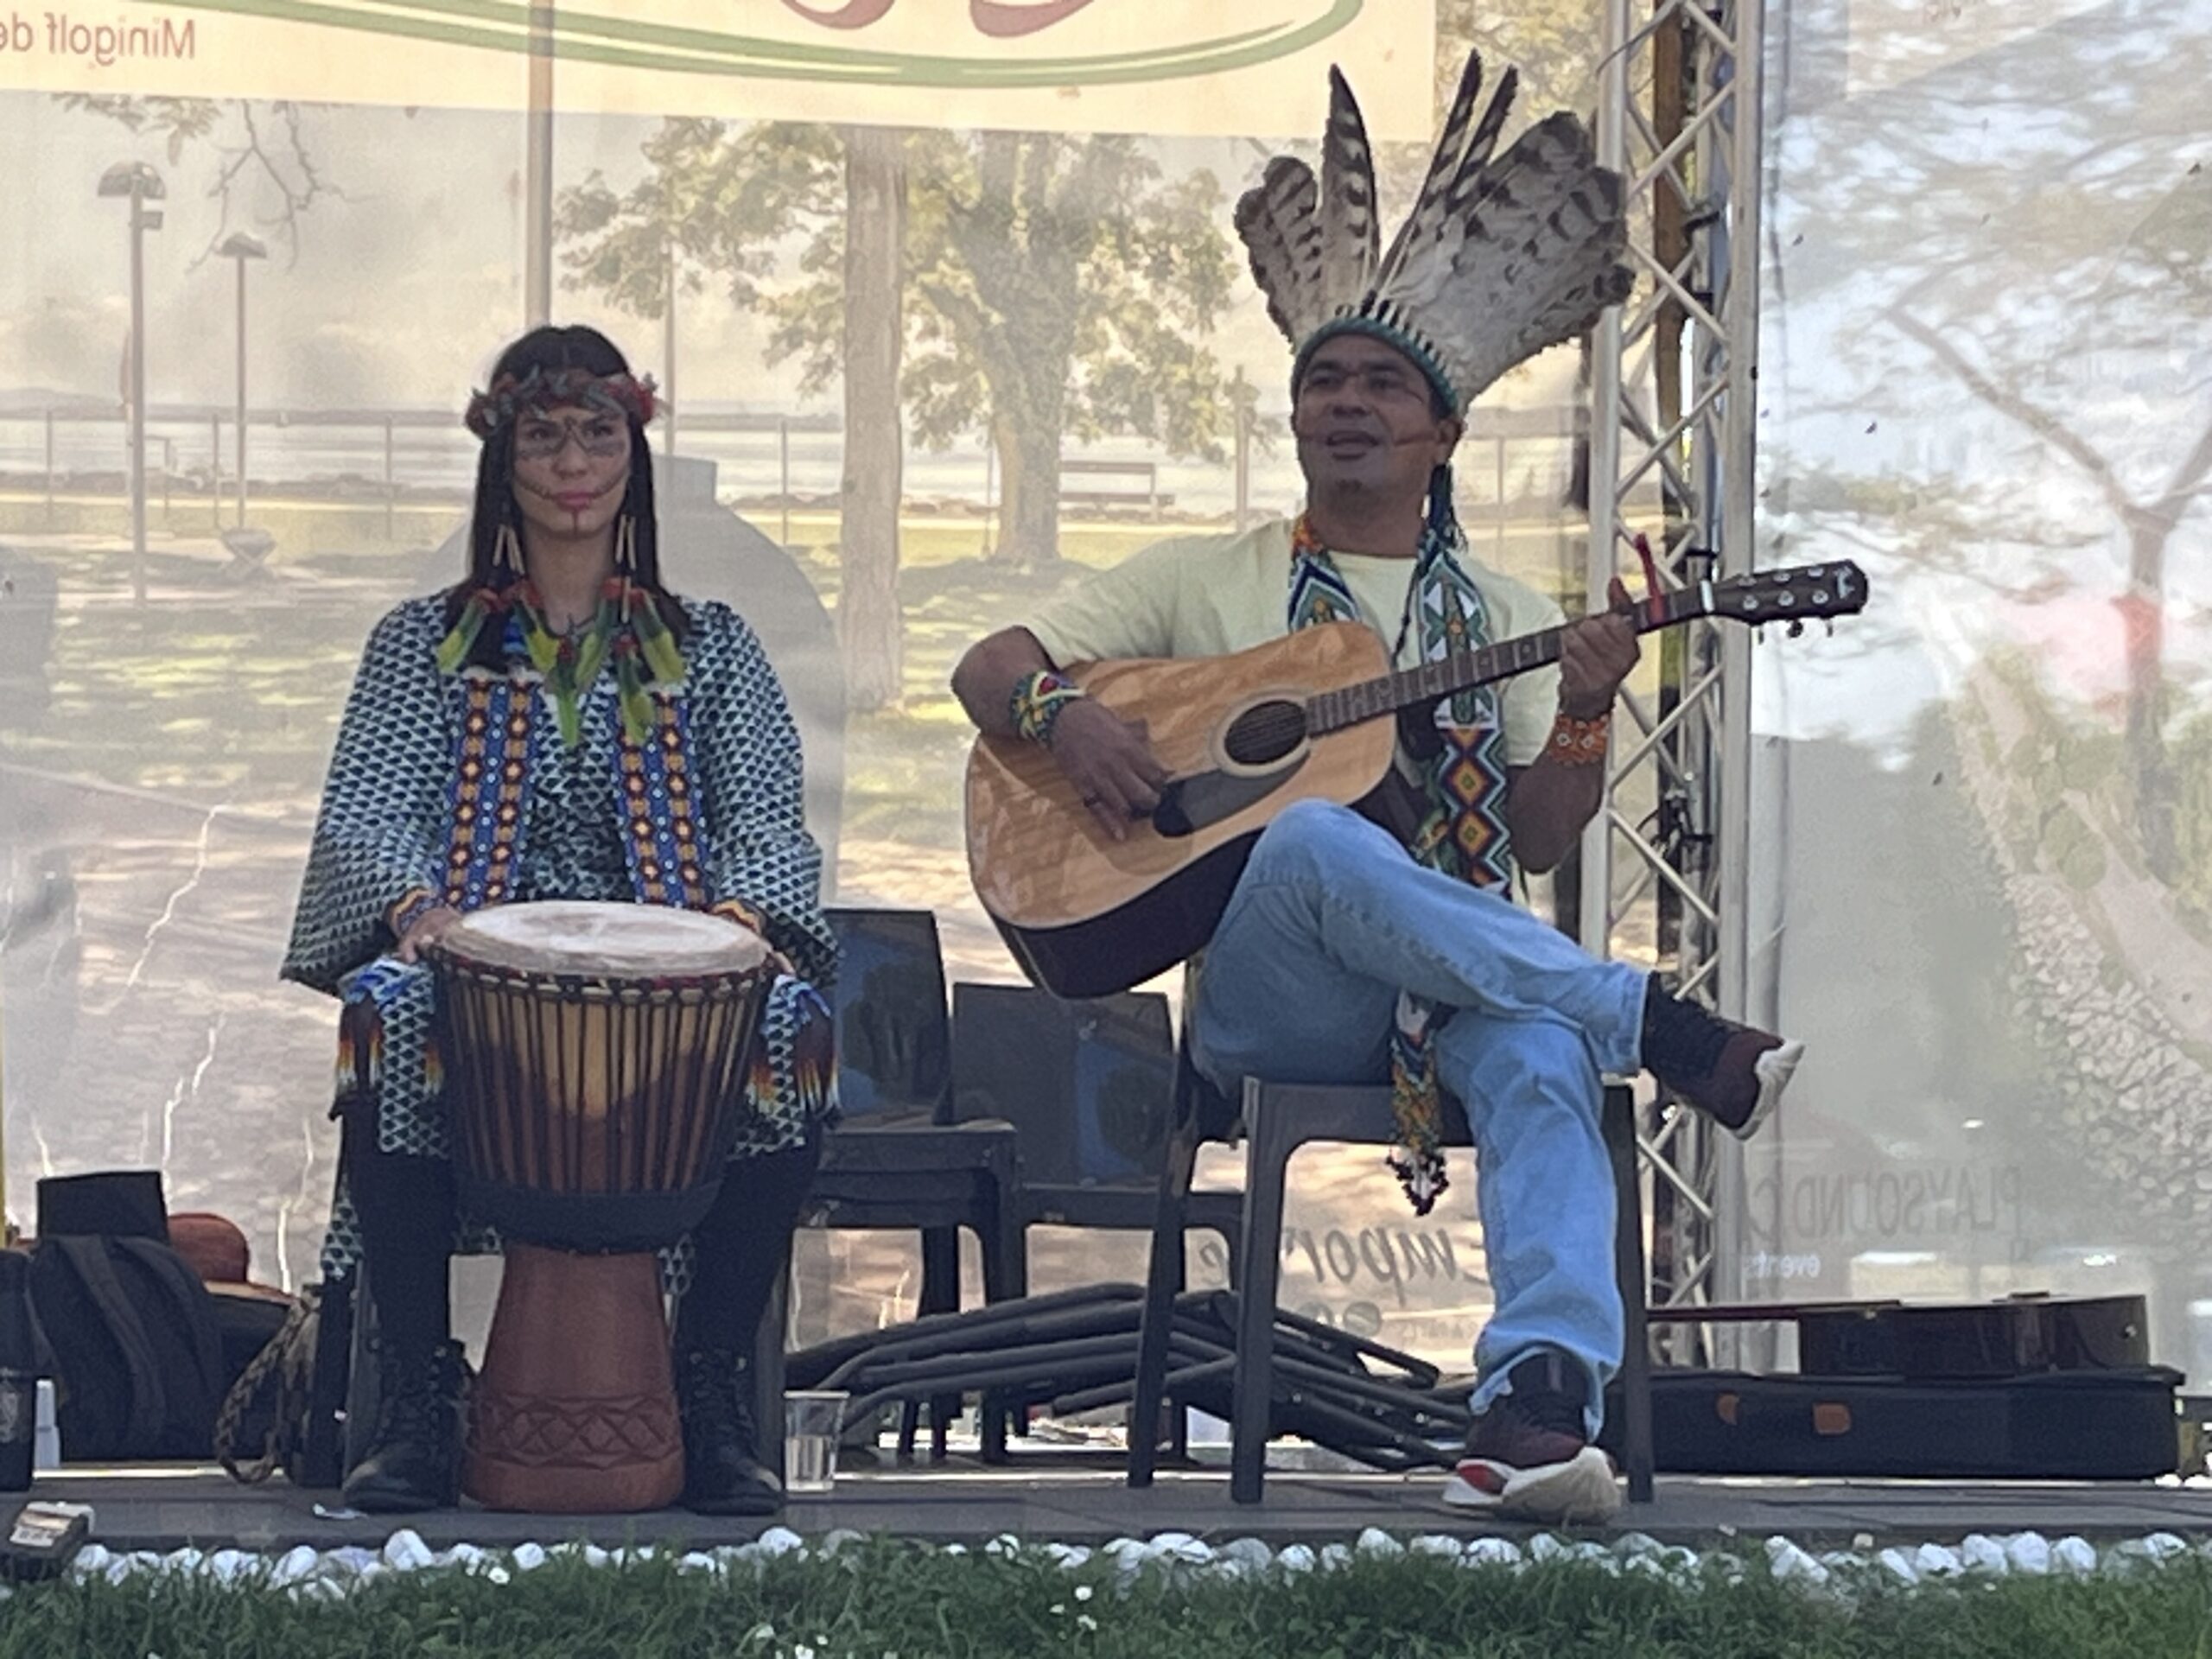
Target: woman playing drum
558	726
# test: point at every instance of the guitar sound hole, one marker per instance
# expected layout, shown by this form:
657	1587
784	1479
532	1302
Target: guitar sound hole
1265	732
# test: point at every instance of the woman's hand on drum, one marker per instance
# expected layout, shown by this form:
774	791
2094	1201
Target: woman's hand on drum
425	931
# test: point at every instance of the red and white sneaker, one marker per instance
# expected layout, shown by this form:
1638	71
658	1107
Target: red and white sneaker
1528	1457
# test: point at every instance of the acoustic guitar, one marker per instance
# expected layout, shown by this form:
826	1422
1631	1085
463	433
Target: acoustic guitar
1314	715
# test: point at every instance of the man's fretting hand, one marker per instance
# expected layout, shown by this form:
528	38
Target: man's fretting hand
1596	655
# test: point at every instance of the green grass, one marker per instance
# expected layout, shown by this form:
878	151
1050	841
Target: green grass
886	1598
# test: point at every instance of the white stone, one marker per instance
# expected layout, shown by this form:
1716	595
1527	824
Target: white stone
1334	1557
842	1538
91	1560
2074	1555
698	1561
1436	1543
187	1560
229	1566
780	1540
1632	1544
528	1558
1545	1548
405	1552
1897	1563
1937	1562
594	1556
1247	1555
1493	1552
2028	1553
350	1559
1297	1558
1373	1541
1790	1564
1982	1553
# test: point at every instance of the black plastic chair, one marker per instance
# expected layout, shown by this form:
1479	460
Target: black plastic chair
1090	1088
1275	1119
898	1159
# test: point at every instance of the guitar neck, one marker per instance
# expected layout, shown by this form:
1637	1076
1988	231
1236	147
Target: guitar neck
1350	705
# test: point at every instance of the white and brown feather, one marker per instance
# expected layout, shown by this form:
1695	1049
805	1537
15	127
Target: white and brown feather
1350	227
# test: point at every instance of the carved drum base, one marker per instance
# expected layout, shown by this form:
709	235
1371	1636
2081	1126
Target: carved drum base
574	1410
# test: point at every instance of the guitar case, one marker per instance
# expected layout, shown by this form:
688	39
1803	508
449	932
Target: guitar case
2088	1424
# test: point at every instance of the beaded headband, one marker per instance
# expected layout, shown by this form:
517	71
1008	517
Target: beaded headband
541	389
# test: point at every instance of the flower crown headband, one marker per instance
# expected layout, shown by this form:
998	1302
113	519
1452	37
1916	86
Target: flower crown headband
541	389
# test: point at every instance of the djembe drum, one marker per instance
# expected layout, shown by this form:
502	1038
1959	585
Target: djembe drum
592	1053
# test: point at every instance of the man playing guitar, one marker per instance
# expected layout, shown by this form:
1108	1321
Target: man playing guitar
1344	957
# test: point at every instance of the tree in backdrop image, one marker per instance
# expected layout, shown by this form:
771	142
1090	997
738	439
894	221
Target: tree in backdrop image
1028	288
2013	244
266	167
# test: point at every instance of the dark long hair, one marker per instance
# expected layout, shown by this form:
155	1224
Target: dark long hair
551	348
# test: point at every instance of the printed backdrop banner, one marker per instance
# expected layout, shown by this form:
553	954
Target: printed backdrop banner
1162	66
1982	846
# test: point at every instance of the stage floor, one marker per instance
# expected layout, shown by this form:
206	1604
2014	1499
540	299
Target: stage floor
163	1508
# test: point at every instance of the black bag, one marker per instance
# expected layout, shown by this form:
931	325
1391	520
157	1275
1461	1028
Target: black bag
138	1351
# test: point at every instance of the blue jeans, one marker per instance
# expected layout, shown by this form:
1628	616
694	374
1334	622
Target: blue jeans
1331	920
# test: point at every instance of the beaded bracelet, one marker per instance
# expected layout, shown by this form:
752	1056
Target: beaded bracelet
1579	743
1037	702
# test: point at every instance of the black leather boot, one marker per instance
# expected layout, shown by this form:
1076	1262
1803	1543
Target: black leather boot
414	1456
722	1471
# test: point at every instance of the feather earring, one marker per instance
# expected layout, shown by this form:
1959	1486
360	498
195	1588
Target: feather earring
506	549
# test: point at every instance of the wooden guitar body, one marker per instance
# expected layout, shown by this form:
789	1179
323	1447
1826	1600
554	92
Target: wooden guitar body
1086	915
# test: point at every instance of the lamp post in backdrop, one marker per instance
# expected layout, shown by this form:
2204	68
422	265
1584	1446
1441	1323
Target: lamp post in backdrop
538	171
241	247
138	184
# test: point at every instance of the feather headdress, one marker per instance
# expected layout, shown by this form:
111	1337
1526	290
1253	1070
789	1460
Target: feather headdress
1502	255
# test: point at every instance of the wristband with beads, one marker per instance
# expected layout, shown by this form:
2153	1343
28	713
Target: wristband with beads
1579	743
1037	702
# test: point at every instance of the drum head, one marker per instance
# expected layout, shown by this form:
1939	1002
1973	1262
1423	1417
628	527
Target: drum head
566	936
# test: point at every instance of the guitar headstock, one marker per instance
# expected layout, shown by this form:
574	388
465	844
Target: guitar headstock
1797	594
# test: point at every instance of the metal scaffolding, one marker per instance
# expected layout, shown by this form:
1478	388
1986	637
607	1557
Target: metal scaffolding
1671	446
